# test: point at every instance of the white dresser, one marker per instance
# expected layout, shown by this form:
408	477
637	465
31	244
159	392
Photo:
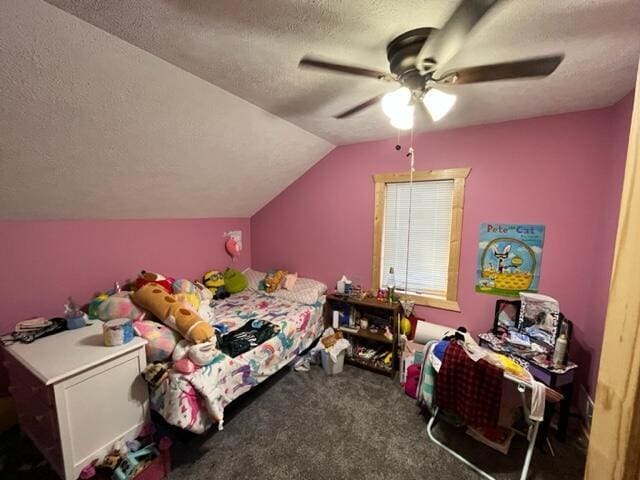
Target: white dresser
75	397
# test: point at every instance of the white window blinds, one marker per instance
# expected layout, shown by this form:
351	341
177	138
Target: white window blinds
431	214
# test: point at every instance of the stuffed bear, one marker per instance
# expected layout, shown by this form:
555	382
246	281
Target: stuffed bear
214	281
273	280
149	277
166	307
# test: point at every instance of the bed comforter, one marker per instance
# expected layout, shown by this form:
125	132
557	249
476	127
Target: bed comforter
195	401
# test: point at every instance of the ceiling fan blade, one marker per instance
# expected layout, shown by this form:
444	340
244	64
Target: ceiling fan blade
443	44
533	67
311	62
362	106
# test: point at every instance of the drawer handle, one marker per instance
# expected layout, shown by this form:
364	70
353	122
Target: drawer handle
34	389
39	418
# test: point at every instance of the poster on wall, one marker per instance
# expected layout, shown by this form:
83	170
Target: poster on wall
509	257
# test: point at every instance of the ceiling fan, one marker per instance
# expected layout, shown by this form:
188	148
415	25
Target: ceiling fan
418	60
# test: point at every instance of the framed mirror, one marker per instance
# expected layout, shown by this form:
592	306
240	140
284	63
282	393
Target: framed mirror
507	315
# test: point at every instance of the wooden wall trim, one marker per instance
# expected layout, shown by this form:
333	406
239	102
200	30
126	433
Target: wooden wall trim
615	434
458	175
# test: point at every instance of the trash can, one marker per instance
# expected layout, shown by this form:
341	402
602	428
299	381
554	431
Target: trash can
331	367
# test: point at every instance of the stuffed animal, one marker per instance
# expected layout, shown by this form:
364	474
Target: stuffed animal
205	294
95	304
155	374
166	307
118	305
161	340
188	291
200	355
214	281
207	313
149	277
234	280
273	280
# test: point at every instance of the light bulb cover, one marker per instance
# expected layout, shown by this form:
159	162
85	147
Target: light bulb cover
394	101
438	103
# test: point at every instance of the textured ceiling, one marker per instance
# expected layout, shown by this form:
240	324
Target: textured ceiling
251	48
94	127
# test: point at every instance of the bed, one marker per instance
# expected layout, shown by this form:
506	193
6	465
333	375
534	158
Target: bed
196	401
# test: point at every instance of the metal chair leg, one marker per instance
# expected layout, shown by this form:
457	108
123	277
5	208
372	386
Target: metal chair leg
452	452
527	458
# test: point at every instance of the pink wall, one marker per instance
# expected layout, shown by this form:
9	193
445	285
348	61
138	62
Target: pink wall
562	171
46	261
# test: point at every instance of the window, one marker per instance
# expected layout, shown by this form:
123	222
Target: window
425	261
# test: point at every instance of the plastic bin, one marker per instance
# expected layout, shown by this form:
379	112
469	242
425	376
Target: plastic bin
331	367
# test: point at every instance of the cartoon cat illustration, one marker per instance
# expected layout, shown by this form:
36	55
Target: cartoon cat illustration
501	256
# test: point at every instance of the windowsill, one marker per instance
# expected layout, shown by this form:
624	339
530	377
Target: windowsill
434	302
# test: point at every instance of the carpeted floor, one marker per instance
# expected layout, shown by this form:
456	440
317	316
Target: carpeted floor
355	425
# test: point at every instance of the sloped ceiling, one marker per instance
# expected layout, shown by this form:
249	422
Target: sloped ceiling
159	108
94	127
252	48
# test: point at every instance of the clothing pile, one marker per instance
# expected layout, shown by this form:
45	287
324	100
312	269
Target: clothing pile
465	381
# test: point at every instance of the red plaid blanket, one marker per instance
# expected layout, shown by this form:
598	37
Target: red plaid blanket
471	389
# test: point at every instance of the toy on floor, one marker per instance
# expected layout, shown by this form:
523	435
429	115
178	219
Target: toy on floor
214	281
139	459
166	307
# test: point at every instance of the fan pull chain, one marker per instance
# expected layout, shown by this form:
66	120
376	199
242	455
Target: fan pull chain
411	156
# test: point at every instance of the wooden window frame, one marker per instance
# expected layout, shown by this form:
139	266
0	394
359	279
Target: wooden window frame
458	175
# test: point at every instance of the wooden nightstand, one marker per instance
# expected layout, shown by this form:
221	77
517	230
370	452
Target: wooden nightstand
75	397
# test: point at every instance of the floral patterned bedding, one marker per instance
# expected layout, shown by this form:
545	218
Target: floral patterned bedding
195	401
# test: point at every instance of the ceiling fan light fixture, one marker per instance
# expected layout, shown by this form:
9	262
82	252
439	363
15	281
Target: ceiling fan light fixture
402	119
438	103
395	102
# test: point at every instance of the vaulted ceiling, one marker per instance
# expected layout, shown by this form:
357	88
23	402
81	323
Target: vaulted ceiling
94	127
196	108
252	48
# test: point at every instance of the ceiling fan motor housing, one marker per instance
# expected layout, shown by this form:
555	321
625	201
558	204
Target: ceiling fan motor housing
402	53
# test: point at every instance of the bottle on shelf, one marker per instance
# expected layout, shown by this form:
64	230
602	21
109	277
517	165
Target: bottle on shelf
391	285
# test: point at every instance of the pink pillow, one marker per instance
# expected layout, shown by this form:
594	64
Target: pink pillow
289	281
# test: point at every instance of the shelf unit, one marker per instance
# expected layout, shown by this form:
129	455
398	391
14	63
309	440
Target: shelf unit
376	312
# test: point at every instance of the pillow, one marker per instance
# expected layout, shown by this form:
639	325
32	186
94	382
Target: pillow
307	296
305	291
254	278
161	340
205	294
118	305
289	281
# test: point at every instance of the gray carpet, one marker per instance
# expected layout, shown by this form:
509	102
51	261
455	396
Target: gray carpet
355	425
